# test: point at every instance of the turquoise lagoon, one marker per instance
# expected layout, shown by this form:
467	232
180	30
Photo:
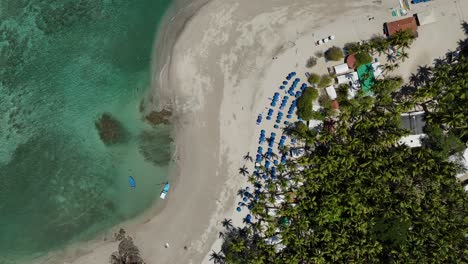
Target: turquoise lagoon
62	64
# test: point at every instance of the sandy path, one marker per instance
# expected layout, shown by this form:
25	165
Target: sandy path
218	77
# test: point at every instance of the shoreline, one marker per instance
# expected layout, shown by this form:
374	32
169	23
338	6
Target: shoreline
217	79
179	14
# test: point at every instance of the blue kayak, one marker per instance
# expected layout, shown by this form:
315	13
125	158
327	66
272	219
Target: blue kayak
131	181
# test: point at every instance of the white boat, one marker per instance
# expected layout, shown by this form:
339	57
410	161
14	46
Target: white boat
164	191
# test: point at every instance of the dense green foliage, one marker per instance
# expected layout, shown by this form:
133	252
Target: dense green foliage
326	104
444	144
311	62
444	96
325	81
314	78
352	47
334	54
362	58
358	197
394	47
304	103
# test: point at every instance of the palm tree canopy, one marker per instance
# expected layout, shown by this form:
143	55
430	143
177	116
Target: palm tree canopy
362	198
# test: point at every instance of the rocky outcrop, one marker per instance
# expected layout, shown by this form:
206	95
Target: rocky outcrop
110	130
159	117
128	253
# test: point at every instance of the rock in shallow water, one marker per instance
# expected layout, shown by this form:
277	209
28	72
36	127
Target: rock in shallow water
110	129
161	117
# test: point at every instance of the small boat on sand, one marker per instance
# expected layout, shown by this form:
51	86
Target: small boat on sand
165	190
131	181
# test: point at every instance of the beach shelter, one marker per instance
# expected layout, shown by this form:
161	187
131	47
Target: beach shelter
341	68
393	27
331	92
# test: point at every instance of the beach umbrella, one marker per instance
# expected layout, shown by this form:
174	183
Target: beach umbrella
238	209
285	82
245	199
248	218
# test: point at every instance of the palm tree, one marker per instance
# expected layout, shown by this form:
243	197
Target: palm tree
217	258
241	192
243	170
227	223
391	57
403	55
247	157
386	68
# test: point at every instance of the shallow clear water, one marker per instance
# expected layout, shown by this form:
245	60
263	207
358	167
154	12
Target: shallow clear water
63	64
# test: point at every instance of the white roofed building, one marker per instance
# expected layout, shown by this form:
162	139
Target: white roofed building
342	68
331	92
352	79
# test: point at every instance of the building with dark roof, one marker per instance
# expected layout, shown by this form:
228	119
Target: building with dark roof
409	23
414	122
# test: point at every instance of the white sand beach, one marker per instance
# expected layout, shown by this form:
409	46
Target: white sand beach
229	57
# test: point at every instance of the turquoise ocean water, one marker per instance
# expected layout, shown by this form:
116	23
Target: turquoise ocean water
62	64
